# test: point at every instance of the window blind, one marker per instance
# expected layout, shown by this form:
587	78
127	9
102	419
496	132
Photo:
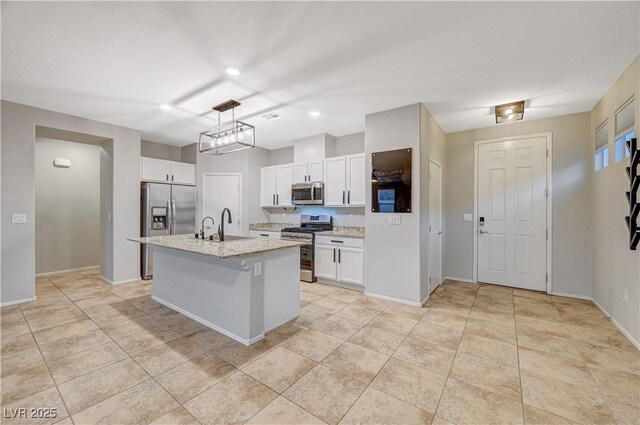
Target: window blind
625	117
602	135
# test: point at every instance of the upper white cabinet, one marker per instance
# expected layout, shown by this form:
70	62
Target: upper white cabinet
344	181
161	170
309	171
152	169
275	185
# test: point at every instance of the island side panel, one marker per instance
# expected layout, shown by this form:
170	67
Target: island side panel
219	293
281	271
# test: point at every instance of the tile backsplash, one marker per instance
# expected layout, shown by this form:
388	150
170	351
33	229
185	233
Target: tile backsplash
341	216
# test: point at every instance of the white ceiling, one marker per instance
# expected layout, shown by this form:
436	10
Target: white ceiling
114	62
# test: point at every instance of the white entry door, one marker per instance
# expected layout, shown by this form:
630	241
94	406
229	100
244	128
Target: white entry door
512	217
435	225
221	191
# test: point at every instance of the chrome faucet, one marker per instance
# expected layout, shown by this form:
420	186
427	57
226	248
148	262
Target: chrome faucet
202	233
221	225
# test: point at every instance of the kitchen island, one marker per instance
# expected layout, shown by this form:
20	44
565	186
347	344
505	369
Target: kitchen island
241	288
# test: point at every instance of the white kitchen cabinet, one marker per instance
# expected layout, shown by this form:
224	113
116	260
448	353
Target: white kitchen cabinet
162	170
340	259
310	171
156	170
275	186
183	173
345	181
325	262
351	266
335	181
356	180
264	234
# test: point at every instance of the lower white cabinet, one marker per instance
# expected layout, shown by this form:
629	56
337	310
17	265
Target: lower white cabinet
340	259
263	234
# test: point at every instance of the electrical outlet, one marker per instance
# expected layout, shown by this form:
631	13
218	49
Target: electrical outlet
468	217
626	296
351	217
257	269
18	218
393	219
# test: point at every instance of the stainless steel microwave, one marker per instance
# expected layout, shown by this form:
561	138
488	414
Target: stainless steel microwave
307	194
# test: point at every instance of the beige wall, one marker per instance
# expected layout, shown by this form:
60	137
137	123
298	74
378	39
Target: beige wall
160	150
572	239
67	206
615	266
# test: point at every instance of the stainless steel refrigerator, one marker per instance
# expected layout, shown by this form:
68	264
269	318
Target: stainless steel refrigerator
166	209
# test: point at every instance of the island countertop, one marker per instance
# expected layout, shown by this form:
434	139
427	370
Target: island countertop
226	249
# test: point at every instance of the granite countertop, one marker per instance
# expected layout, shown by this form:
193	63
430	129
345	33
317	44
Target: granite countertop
226	249
345	232
270	227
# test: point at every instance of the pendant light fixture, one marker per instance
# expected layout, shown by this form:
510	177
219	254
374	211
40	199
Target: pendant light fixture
233	136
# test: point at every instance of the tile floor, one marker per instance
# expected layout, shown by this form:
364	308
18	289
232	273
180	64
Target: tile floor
475	355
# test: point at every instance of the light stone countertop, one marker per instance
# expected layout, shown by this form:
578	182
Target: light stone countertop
226	249
270	227
345	232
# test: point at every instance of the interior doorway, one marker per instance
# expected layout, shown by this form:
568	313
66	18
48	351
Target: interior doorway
435	224
512	229
73	180
219	191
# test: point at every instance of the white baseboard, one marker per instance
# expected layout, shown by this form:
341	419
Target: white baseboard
111	282
340	285
395	300
578	297
20	301
208	324
459	279
617	325
79	269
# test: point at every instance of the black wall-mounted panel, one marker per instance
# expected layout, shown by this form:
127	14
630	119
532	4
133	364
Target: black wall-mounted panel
391	181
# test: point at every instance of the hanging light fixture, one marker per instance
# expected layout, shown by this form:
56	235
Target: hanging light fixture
229	137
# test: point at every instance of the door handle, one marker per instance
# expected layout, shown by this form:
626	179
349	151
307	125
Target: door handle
348	197
173	218
334	255
167	177
169	217
171	177
440	232
273	200
277	199
482	232
339	256
343	193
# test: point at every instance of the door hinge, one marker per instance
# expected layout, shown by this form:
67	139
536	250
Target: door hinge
547	153
546	277
546	192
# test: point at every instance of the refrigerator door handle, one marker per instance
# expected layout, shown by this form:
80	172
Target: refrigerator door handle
173	216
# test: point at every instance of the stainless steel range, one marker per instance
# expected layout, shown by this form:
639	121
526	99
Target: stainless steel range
309	225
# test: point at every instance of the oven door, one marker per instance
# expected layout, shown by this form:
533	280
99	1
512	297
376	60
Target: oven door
306	263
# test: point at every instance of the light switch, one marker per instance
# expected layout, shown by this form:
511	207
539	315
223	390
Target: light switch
257	269
468	217
393	219
18	218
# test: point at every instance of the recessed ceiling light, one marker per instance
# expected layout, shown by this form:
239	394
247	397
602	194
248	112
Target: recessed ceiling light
314	114
513	111
165	106
272	117
232	70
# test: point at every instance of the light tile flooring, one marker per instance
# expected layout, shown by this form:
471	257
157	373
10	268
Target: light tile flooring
475	355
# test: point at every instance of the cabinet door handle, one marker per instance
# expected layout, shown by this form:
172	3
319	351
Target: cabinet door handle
339	256
334	255
336	241
273	201
277	199
348	197
167	177
343	193
171	177
264	234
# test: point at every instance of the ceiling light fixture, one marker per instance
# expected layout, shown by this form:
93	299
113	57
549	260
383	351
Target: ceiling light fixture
232	70
513	111
165	106
229	137
314	114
